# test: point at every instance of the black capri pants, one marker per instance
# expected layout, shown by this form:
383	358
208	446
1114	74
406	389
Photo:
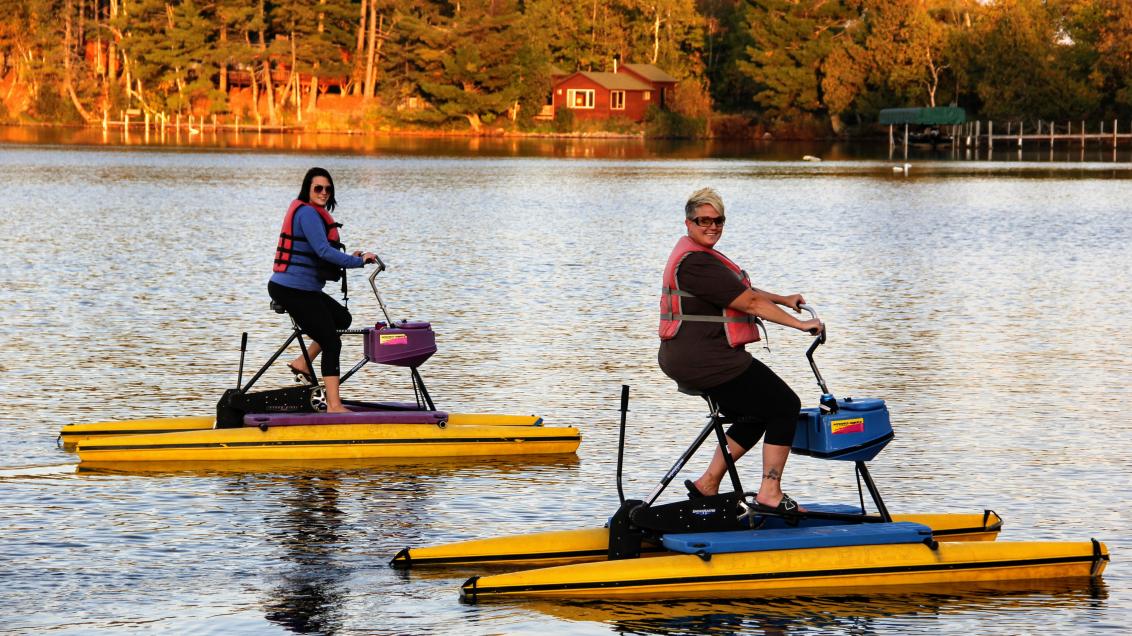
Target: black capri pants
320	317
764	403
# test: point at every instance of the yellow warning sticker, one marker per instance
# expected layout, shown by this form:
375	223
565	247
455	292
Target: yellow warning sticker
841	427
394	339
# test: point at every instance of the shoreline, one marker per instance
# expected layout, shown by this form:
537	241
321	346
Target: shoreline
184	128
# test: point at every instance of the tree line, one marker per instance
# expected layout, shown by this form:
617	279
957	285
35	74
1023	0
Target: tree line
815	65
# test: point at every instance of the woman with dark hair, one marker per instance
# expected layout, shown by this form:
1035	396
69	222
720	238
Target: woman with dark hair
309	254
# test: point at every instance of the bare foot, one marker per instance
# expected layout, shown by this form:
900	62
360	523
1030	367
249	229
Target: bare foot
339	409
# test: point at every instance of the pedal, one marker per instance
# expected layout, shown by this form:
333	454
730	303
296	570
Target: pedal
748	516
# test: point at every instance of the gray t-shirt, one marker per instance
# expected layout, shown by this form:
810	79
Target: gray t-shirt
699	356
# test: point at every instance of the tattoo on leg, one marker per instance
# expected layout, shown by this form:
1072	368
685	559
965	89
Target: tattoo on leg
772	475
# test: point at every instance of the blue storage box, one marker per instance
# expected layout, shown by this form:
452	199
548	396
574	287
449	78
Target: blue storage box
856	432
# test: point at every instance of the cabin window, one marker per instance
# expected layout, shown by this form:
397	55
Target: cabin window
617	100
648	95
579	98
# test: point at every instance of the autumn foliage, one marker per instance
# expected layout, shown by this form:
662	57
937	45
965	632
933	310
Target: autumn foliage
820	66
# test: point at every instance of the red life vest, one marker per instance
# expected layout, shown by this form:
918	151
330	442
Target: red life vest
287	240
740	328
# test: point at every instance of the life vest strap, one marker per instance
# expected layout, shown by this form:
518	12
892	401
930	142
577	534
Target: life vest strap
294	264
703	318
296	239
672	291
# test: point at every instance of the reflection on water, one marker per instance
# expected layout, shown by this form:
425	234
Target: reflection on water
561	147
310	596
987	302
863	611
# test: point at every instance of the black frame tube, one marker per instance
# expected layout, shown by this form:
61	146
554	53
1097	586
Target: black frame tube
714	424
728	459
621	440
272	359
863	471
418	382
243	352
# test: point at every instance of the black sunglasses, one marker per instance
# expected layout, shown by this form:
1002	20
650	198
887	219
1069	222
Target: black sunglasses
317	189
708	221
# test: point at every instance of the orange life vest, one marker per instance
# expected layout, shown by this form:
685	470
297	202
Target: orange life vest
740	328
286	246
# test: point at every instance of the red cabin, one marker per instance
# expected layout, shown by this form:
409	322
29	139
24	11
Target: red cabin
626	92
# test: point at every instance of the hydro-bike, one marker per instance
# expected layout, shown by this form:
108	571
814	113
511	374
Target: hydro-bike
729	545
290	423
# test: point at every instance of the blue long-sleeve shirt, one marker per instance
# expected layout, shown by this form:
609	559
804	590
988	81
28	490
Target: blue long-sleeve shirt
307	226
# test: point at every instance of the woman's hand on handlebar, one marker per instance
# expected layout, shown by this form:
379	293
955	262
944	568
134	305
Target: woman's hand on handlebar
367	257
813	326
794	301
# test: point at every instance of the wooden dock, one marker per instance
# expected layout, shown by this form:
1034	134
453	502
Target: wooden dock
977	134
161	122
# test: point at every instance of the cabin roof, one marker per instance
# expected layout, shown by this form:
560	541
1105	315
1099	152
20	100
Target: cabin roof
615	81
938	116
650	72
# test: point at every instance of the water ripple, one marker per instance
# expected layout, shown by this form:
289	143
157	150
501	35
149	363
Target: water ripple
987	303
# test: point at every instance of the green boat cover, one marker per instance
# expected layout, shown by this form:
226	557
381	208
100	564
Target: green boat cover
938	116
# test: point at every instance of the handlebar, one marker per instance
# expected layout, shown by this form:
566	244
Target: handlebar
819	340
377	270
814	314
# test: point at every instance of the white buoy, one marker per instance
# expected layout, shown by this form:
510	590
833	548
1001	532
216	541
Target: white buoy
811	158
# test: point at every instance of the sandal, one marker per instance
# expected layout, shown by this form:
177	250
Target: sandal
693	492
787	508
301	375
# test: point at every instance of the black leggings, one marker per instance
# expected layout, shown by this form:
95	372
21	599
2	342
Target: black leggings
764	402
320	317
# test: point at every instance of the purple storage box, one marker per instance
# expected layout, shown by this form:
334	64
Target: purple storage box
407	344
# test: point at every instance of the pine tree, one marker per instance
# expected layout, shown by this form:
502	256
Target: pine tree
468	59
1021	65
165	46
789	40
314	35
1101	31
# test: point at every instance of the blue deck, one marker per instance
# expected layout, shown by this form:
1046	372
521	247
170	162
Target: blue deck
827	536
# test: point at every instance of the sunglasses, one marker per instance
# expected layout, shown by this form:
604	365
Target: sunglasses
318	189
708	221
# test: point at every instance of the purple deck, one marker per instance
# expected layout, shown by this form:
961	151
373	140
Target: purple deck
360	416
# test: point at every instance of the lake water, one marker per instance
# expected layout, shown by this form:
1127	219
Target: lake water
988	301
